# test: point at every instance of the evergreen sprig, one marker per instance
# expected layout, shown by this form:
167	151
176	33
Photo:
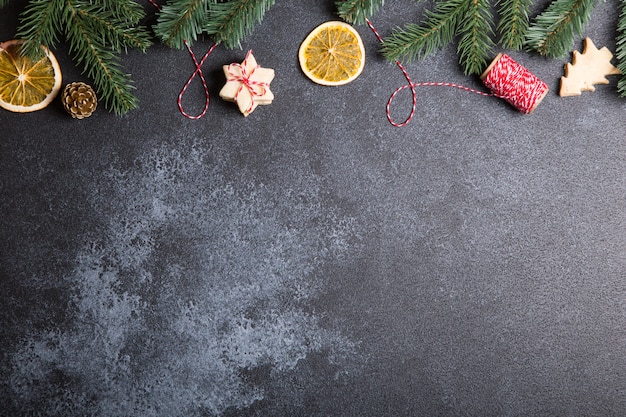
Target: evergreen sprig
356	12
181	20
97	31
231	21
513	22
88	33
128	11
471	21
115	25
475	33
227	21
418	41
620	51
552	32
40	24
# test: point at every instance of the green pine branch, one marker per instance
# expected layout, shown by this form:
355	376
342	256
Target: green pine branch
470	20
97	31
475	32
98	60
227	21
181	20
231	21
552	32
40	24
117	32
3	3
418	41
356	12
127	11
514	22
620	51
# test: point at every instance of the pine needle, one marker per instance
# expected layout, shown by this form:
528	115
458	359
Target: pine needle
552	32
231	21
357	11
116	31
98	61
419	41
97	31
475	43
513	22
123	10
181	20
40	25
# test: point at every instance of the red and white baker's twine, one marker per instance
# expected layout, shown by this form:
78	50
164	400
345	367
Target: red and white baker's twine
198	72
412	86
507	79
515	84
243	77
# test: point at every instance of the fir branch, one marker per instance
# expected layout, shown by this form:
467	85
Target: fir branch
356	12
181	20
475	43
3	3
40	25
99	61
123	10
513	22
418	41
97	30
552	32
231	21
620	49
117	32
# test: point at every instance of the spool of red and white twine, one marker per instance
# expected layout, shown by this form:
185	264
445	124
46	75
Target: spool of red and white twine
504	77
509	80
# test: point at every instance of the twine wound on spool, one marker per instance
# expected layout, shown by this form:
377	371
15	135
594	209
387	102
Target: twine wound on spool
510	81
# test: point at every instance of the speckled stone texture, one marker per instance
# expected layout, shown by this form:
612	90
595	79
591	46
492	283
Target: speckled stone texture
311	259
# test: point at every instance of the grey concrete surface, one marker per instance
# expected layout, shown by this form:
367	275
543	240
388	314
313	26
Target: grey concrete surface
311	259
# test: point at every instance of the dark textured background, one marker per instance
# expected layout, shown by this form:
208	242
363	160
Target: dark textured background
311	259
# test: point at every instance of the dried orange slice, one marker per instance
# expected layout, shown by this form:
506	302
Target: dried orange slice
332	54
26	85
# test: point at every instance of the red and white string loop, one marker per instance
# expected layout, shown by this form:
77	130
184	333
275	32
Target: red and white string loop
200	74
197	72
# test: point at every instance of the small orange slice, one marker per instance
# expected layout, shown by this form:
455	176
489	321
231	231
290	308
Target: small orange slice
26	85
332	54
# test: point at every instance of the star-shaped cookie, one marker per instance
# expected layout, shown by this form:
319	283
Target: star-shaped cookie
247	84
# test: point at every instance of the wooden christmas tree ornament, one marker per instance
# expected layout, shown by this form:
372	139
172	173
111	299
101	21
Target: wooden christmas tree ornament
589	68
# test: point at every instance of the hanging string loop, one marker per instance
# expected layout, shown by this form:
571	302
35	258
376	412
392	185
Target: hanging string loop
200	74
197	72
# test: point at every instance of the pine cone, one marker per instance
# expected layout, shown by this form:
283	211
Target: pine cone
79	100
